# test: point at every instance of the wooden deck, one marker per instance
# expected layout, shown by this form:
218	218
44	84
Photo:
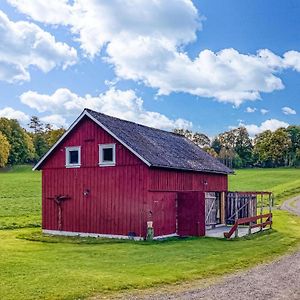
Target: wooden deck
218	232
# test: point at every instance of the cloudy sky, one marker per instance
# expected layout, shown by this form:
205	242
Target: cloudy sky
205	65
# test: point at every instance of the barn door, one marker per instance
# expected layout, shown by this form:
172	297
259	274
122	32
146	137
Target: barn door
190	214
212	209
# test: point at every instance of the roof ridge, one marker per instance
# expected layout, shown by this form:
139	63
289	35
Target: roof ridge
123	120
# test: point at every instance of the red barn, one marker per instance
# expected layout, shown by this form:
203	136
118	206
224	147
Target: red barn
108	177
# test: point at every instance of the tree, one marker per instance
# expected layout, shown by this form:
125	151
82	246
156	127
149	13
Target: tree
272	148
40	145
200	139
41	136
236	142
38	137
185	132
262	144
52	135
243	146
210	151
4	150
227	155
297	158
280	146
216	145
294	135
36	125
22	149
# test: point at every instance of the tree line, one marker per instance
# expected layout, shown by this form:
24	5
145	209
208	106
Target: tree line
20	146
235	148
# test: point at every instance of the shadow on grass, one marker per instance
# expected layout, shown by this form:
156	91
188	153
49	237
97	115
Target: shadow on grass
18	226
38	236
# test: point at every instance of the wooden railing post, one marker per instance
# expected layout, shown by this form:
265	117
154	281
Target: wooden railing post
261	209
223	212
236	214
270	208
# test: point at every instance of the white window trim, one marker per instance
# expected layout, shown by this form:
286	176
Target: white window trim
73	148
105	163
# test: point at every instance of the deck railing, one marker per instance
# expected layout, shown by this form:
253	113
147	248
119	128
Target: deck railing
252	223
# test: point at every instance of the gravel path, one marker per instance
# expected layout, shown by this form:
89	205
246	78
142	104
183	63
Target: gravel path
292	205
277	280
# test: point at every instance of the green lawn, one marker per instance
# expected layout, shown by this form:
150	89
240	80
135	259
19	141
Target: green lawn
283	182
20	198
37	267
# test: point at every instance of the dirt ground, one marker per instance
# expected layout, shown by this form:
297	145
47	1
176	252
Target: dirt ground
277	280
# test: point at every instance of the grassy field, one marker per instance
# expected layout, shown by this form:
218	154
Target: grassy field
37	267
283	182
20	198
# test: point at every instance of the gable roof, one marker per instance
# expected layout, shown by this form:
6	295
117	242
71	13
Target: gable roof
155	147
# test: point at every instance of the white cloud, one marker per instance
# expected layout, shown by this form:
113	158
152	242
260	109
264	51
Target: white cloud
123	104
292	60
250	109
96	23
288	111
264	111
271	124
50	12
57	121
10	113
227	75
24	44
145	42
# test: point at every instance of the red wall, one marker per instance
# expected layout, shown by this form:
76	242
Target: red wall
122	197
117	199
173	180
165	187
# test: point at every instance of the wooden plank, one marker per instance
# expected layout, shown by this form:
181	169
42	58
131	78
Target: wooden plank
222	207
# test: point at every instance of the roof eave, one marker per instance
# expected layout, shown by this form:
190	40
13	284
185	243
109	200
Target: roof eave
193	170
86	113
38	164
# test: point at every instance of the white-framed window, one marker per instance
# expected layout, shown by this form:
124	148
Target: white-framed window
107	154
73	157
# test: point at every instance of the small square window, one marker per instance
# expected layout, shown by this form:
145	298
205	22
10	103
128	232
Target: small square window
107	154
73	157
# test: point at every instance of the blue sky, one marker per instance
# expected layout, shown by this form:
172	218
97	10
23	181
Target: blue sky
189	64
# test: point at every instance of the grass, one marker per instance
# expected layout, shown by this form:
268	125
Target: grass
33	266
20	198
283	182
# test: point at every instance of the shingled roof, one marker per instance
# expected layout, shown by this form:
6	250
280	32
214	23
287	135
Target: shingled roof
157	148
161	148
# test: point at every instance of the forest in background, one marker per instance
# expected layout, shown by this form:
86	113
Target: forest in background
235	148
20	146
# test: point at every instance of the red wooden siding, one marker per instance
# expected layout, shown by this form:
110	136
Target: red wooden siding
89	135
115	204
163	208
121	198
191	213
117	199
172	180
